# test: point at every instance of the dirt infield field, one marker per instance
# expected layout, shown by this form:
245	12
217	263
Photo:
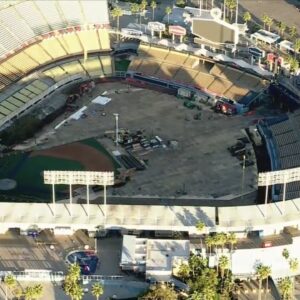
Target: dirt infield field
89	157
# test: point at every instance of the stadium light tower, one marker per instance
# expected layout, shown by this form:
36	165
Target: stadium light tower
117	128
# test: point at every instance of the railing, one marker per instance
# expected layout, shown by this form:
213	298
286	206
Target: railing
50	276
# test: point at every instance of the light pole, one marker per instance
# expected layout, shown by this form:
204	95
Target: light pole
117	128
243	175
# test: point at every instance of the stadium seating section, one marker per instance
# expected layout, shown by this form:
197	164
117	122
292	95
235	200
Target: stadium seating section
216	78
22	21
286	138
50	49
51	41
94	66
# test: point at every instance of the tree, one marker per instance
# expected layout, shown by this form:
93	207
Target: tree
265	19
117	12
231	239
74	272
142	8
285	253
286	288
293	32
269	23
282	27
184	271
223	264
97	290
10	282
153	5
200	226
294	266
29	293
231	4
37	291
247	17
297	45
262	272
168	12
209	241
221	239
294	64
77	292
160	291
134	8
71	286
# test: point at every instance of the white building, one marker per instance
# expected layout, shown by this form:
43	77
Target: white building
155	258
265	37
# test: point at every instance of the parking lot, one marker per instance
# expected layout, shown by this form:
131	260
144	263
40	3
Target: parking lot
200	162
19	252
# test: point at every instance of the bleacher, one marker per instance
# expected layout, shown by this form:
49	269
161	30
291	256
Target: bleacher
184	68
53	48
286	137
50	41
12	104
22	21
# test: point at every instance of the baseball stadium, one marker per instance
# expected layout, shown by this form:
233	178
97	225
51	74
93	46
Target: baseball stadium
189	138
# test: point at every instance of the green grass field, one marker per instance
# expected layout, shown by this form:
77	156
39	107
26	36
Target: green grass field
122	65
28	172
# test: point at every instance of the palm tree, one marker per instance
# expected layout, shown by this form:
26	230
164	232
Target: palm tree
294	64
297	45
221	239
247	17
223	264
9	281
285	253
134	8
262	272
265	19
285	286
168	12
184	271
142	8
29	293
293	32
38	291
294	266
117	12
269	23
209	240
231	4
282	27
74	272
97	290
153	5
77	292
200	227
231	239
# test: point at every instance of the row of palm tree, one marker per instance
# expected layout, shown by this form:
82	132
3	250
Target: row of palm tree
29	293
72	287
282	27
220	240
